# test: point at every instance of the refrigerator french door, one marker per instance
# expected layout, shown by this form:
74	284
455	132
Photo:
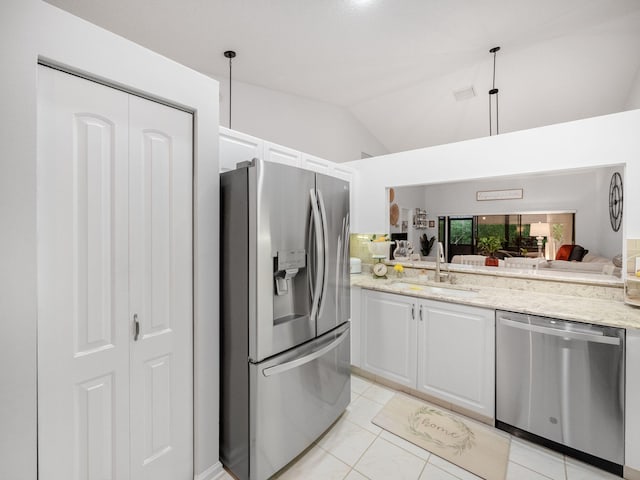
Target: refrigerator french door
284	313
333	205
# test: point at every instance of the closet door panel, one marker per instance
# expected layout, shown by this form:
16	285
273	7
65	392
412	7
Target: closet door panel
83	332
161	276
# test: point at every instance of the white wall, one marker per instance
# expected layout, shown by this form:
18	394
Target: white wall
30	29
584	191
598	141
18	458
633	101
318	128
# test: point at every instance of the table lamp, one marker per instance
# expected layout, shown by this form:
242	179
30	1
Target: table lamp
539	230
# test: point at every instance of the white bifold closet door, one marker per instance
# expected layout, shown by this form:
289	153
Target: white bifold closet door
115	292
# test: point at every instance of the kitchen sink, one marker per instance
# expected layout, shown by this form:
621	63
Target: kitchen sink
443	290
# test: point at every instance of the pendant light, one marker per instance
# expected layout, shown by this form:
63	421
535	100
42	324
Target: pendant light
493	93
230	54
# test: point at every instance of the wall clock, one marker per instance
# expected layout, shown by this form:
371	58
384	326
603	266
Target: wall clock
615	201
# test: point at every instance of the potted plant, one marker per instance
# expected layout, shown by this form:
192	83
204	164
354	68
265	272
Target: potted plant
489	246
557	232
426	245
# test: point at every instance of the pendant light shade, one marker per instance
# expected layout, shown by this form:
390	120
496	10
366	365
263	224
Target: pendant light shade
230	54
493	97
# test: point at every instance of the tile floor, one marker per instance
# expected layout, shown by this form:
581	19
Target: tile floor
356	449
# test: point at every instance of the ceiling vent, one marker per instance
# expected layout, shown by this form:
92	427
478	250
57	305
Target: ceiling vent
464	94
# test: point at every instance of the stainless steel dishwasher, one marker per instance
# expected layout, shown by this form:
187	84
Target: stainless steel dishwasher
561	384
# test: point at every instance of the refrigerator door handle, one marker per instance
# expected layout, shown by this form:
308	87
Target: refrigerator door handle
338	270
347	232
325	247
283	367
319	264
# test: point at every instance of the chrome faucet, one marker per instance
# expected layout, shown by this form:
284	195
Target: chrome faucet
440	276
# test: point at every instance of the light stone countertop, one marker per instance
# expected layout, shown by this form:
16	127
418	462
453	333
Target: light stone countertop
568	307
542	273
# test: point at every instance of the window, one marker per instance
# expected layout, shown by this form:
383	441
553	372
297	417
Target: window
460	234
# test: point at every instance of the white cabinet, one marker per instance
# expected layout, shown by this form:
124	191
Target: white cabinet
236	147
278	154
315	164
326	167
356	303
340	171
389	336
114	280
440	348
632	413
456	360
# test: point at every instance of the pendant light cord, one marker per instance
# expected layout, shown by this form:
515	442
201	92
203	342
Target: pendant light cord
230	54
494	68
494	91
490	117
497	115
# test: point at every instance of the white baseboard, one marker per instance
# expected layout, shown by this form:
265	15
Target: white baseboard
631	473
211	473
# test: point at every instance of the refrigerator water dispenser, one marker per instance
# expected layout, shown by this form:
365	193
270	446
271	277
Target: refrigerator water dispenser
288	265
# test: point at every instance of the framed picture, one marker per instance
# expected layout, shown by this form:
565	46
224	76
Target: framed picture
514	193
432	224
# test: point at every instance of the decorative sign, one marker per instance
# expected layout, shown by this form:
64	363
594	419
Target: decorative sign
512	194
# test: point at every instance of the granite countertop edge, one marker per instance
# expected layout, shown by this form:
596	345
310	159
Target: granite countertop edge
610	313
544	274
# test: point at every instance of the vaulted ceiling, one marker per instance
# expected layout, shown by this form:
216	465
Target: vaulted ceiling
395	64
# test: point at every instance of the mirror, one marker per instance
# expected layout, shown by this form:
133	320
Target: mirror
578	199
530	235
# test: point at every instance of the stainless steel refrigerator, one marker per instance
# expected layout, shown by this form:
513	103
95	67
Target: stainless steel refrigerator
285	306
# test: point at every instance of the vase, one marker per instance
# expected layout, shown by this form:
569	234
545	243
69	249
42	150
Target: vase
403	250
491	262
379	248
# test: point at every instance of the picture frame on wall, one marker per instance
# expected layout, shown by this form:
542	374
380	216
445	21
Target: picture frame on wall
511	194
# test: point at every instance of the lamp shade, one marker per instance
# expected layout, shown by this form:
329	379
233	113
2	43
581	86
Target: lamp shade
539	230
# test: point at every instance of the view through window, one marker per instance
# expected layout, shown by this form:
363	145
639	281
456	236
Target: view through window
460	234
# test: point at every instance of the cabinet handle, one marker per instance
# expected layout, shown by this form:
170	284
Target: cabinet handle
420	312
136	327
413	312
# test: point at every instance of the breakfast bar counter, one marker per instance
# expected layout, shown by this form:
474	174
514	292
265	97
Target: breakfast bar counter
534	300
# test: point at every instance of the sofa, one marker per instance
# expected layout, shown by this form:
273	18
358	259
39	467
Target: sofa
588	262
575	258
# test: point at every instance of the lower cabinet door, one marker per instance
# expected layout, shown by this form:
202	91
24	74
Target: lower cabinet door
456	359
389	328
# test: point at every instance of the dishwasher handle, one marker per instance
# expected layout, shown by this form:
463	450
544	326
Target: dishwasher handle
595	338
